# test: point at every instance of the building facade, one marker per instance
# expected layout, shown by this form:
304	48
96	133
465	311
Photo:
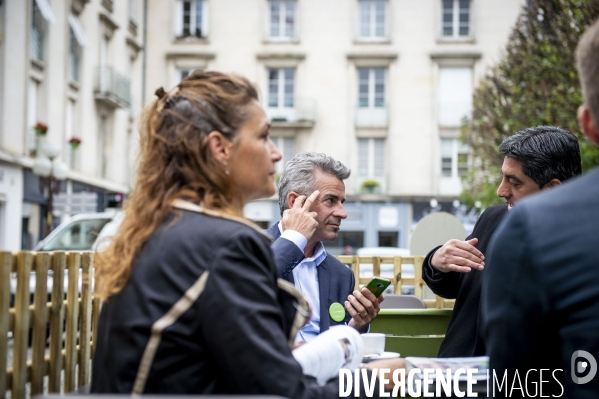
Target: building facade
70	87
381	85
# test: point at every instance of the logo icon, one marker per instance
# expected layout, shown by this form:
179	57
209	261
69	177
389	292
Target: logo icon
580	366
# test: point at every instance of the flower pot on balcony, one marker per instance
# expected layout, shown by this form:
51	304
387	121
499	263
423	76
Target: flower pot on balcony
40	130
370	186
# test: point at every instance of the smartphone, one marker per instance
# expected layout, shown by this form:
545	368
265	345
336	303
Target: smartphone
377	285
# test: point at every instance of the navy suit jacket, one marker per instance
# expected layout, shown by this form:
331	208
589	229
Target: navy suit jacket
336	281
541	286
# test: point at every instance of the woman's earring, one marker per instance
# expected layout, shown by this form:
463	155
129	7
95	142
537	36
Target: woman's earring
227	168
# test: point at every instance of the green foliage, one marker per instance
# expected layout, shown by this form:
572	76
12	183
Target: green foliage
370	183
535	83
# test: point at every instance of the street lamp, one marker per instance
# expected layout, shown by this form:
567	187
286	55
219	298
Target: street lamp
51	172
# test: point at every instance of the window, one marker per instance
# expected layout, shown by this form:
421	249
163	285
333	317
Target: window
41	15
37	40
281	88
31	222
388	238
104	47
456	18
446	157
372	108
104	146
454	158
346	243
132	94
282	19
1	19
74	57
182	73
193	18
132	10
286	146
77	41
373	20
455	95
32	115
371	87
371	157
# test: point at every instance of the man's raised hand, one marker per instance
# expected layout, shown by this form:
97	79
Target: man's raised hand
299	217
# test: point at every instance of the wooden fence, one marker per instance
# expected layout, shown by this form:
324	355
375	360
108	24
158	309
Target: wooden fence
61	324
398	281
52	333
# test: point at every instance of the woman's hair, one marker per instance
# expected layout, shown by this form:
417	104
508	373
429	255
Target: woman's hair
175	162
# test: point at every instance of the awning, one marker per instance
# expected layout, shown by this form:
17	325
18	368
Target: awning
46	10
77	30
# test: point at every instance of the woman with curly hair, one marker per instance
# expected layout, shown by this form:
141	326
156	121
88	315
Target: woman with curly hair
192	302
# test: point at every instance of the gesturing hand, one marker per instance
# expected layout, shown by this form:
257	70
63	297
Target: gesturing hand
458	256
299	217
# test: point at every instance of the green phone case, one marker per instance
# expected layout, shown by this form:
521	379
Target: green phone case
377	285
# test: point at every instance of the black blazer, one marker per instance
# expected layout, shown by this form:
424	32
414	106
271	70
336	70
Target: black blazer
464	333
232	339
336	280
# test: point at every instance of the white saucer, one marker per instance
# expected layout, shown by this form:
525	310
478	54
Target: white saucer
384	355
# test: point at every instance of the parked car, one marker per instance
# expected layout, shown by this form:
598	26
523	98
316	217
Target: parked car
78	233
407	271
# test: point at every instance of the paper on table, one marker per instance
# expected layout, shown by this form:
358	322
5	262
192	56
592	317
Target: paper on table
481	363
323	357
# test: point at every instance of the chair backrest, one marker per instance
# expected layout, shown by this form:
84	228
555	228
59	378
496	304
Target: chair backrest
402	302
393	267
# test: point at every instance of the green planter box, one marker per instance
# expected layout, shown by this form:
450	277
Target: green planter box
412	332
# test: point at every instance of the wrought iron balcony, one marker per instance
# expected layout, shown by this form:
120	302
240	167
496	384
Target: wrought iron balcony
111	88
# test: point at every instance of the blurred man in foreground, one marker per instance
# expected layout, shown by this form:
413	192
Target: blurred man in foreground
541	290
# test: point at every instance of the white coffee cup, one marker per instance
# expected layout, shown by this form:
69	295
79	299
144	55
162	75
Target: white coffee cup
374	343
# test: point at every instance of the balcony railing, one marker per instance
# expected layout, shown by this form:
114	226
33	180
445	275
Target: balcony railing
111	88
74	66
372	116
302	112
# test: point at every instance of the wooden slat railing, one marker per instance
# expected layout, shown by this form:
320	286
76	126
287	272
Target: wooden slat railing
398	281
67	352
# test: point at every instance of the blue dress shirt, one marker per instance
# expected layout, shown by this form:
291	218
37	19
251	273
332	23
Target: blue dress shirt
305	276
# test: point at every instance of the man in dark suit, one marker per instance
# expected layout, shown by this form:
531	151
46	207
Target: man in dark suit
535	159
311	197
541	289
